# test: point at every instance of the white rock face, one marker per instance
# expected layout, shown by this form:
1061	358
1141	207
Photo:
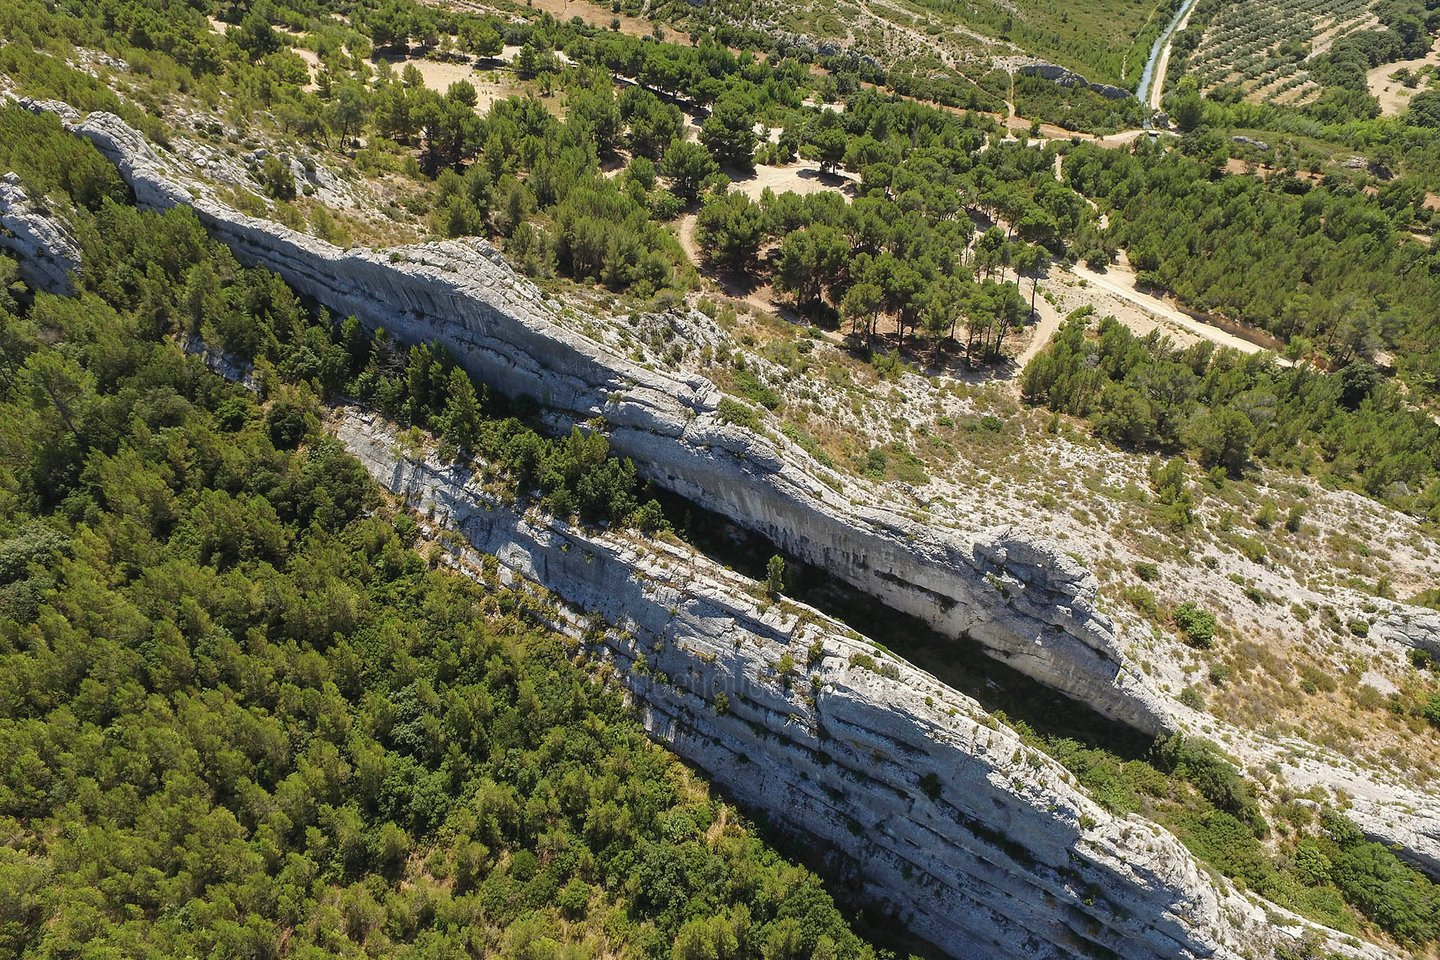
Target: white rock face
39	243
1414	627
1023	599
1028	602
978	843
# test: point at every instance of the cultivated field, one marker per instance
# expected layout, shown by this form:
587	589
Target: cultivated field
1106	40
1264	46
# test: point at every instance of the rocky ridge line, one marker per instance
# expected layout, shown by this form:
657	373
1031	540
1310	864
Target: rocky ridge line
1022	598
979	844
907	870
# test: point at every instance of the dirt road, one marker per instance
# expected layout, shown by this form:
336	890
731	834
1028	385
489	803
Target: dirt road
1049	321
1121	284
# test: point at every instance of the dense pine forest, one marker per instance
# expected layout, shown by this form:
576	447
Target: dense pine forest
1351	428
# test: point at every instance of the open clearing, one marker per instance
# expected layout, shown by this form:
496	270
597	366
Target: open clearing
1393	95
490	85
1111	293
803	177
565	10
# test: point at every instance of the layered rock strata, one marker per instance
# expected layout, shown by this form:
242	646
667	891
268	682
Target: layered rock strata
1029	603
1023	599
38	241
978	843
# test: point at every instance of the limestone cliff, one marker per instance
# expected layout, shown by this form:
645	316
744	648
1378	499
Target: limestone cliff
1023	599
39	243
978	843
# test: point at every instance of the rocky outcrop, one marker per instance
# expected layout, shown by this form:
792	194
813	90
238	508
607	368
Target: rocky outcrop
1027	601
1023	599
38	241
1069	78
976	842
1415	627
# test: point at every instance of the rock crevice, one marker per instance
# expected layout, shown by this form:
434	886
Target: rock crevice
1021	598
976	842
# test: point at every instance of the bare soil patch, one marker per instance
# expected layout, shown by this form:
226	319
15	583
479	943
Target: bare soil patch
490	85
1143	312
1393	95
563	10
803	177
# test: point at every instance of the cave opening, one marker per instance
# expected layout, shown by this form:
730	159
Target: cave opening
961	663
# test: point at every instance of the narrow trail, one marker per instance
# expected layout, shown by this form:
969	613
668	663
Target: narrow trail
1163	311
1040	334
757	296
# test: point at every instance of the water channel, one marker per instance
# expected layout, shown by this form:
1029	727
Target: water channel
1157	52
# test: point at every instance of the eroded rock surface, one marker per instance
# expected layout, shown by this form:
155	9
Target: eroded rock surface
976	842
1021	598
38	241
1028	601
989	876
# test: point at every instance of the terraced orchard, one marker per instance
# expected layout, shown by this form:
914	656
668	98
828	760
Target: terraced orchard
1105	40
1264	47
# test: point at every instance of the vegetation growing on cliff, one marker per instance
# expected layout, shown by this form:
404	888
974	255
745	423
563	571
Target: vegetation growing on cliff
1303	856
902	252
241	715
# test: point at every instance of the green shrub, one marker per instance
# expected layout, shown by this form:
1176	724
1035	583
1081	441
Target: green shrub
1142	599
276	179
732	411
930	784
751	388
1217	779
775	575
1313	679
864	661
1430	709
1196	624
1396	897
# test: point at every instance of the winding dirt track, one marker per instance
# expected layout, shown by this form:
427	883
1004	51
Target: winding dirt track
1040	334
1161	310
